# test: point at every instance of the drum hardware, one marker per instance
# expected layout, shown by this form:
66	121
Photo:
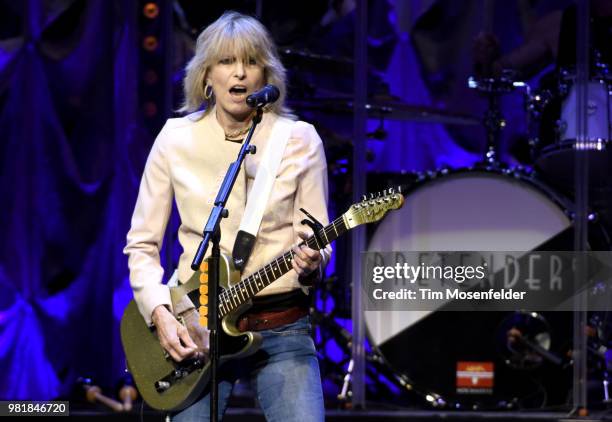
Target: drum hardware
303	59
503	84
535	103
592	216
599	65
422	176
339	333
598	104
599	357
598	340
386	109
344	392
536	100
380	133
494	122
376	365
563	80
551	114
524	340
605	386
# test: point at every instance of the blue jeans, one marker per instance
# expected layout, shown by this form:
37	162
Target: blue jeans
284	374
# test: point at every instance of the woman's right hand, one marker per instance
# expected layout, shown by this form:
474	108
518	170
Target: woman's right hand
173	336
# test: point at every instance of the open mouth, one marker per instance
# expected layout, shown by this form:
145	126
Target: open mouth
238	90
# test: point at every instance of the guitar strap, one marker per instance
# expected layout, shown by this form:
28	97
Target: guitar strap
260	193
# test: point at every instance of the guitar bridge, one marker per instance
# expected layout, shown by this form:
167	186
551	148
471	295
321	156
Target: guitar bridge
178	374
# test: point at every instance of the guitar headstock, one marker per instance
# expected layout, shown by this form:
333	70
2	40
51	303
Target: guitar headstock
374	207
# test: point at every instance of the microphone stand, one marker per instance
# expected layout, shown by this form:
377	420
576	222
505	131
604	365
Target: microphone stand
212	231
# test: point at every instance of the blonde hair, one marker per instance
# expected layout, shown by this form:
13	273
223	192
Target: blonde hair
246	37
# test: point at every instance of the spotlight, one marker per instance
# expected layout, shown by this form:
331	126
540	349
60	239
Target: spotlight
150	10
150	109
150	43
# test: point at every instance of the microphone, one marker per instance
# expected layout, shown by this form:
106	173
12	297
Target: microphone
267	95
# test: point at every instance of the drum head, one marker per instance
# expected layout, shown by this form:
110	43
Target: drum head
471	211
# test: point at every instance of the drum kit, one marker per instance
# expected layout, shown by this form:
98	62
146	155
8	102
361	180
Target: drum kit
524	356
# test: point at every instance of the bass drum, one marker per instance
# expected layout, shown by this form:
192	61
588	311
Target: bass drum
471	210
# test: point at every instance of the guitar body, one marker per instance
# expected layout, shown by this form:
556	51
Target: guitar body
149	363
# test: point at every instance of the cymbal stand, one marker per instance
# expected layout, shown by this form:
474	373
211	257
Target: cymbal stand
598	342
345	392
493	120
535	103
375	364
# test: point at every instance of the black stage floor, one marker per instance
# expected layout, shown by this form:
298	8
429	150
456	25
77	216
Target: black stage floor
254	415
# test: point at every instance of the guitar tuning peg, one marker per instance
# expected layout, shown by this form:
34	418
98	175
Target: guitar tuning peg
364	197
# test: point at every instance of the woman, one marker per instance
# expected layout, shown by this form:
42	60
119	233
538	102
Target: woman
235	57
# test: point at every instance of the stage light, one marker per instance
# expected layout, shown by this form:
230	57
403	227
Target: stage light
150	109
150	43
150	10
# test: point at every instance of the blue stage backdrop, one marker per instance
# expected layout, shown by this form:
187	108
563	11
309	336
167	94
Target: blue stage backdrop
70	159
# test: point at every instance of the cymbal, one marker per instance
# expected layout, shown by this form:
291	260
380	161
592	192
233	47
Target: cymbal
393	110
314	61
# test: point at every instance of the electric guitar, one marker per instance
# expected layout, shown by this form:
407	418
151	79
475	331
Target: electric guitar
171	386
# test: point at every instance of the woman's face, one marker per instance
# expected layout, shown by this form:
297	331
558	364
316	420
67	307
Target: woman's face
232	81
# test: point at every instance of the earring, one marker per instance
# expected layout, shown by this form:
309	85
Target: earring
208	92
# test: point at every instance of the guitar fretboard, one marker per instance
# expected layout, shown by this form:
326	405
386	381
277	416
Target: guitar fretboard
230	299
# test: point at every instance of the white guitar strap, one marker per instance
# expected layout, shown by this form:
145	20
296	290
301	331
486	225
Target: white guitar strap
260	193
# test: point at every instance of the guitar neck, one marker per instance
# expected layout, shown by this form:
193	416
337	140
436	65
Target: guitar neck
232	298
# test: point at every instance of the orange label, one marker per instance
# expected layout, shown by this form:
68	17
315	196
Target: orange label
475	375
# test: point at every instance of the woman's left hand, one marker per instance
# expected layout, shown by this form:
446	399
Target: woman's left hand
305	260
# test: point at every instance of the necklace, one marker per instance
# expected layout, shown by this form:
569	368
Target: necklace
232	136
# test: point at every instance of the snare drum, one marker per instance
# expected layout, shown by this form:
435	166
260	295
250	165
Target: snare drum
471	210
